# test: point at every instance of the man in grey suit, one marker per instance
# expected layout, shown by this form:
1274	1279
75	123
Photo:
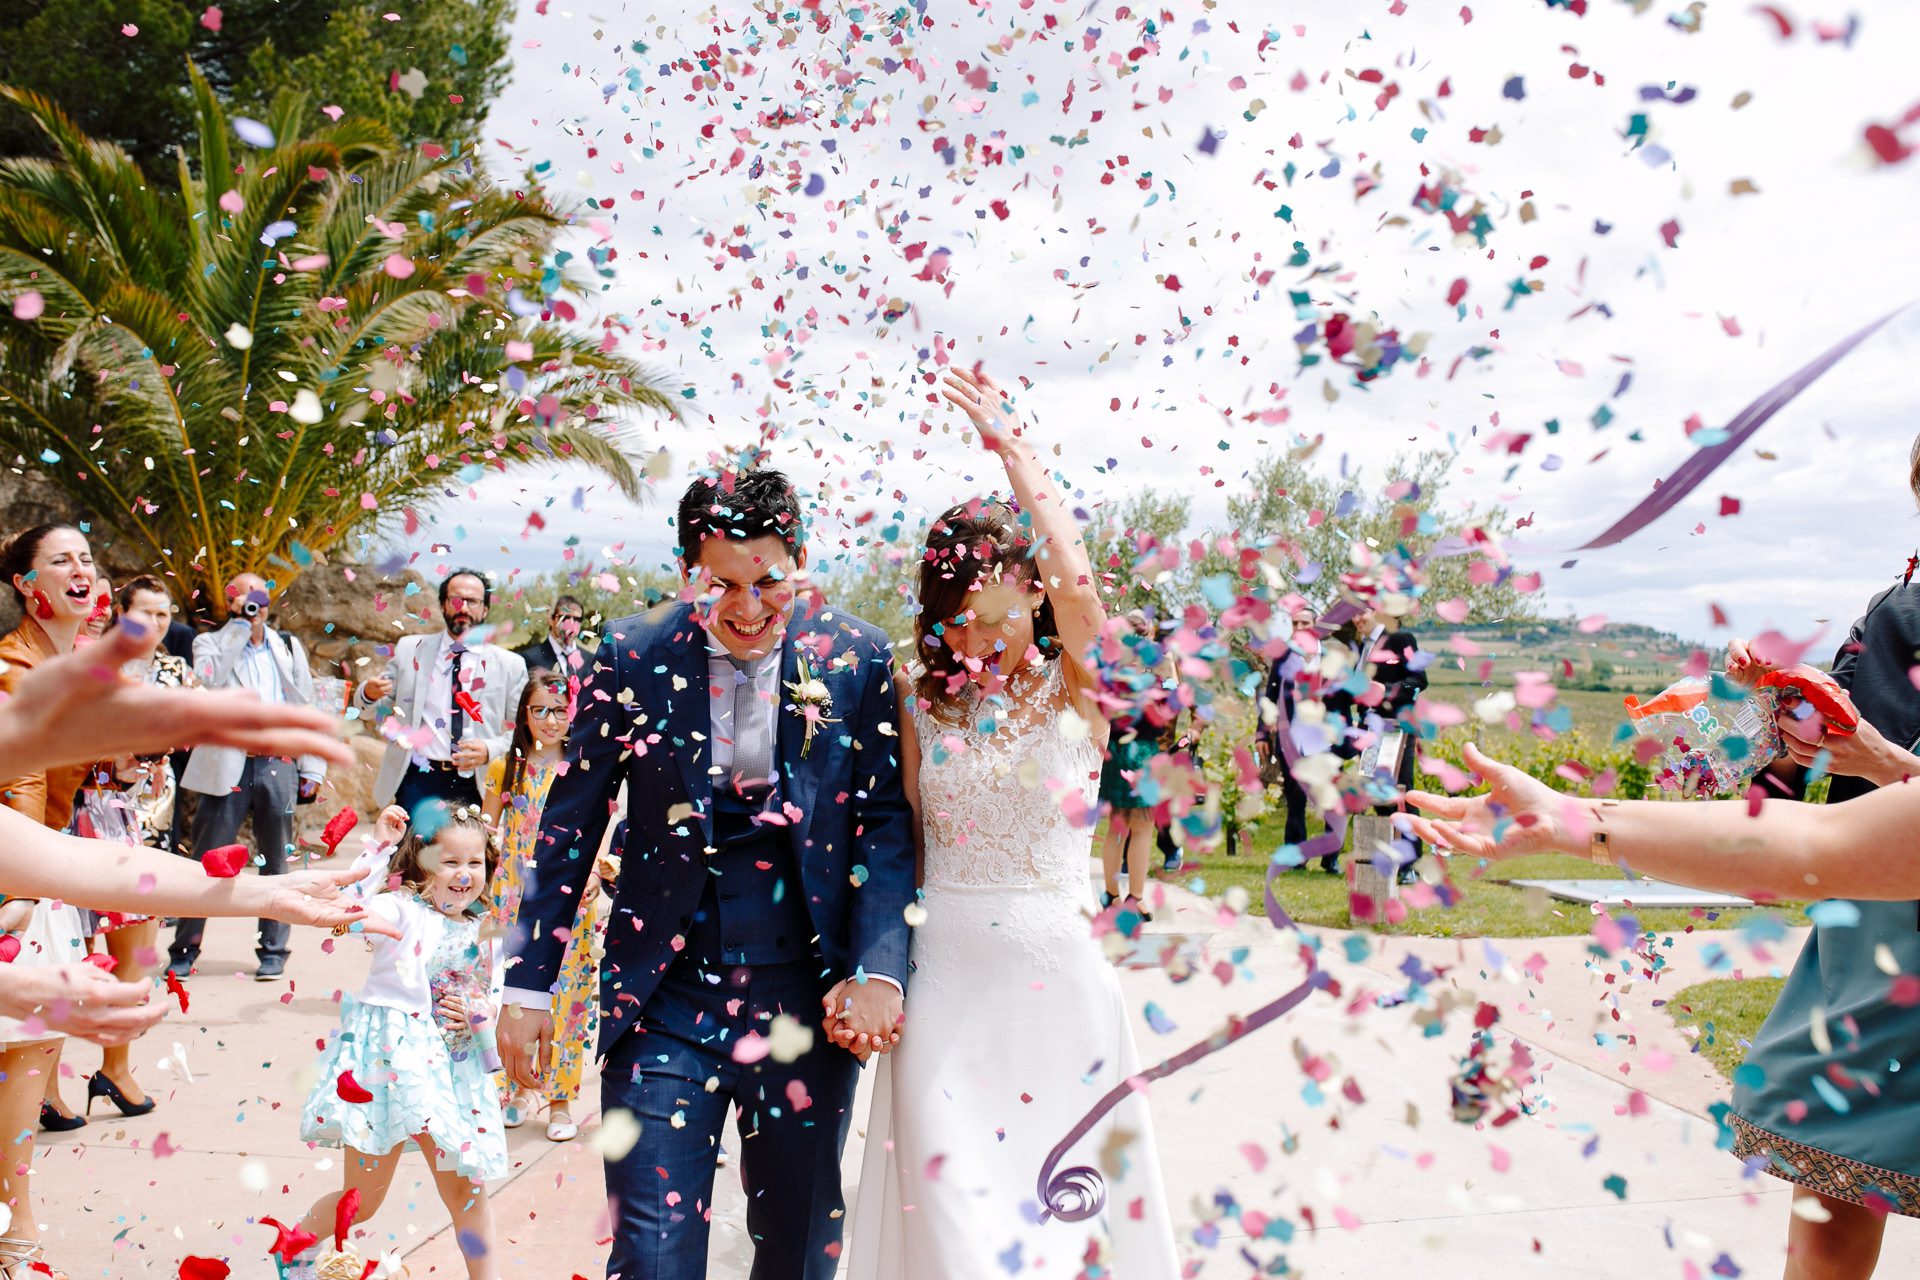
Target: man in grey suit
247	653
449	703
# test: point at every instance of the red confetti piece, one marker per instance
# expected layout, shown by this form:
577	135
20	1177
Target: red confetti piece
225	862
177	989
351	1090
337	828
204	1269
344	1214
289	1242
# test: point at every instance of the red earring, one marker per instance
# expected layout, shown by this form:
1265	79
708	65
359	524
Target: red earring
42	607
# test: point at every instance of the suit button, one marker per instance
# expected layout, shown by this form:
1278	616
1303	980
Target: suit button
731	944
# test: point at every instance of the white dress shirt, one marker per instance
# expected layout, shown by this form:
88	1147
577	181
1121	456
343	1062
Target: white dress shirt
257	670
435	707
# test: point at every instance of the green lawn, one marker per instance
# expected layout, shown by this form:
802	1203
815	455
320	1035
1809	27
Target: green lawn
1728	1012
1488	907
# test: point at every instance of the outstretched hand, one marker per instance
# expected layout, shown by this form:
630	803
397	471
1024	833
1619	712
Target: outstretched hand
78	708
1518	815
314	898
988	407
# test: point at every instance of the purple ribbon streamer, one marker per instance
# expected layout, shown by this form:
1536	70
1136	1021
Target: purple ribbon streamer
1688	475
1077	1193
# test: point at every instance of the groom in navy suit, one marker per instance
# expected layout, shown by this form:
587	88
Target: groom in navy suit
766	871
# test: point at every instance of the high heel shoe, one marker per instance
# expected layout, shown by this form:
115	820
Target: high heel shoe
98	1086
53	1122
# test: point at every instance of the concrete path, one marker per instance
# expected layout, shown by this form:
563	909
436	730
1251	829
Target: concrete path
1335	1120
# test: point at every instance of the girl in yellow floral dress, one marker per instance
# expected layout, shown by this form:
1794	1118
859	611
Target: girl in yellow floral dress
515	793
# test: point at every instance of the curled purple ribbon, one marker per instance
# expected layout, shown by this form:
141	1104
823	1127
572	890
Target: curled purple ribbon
1688	475
1079	1192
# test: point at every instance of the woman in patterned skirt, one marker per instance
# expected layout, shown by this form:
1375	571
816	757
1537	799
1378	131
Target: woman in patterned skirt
514	796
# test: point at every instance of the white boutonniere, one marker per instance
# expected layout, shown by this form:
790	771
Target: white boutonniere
811	699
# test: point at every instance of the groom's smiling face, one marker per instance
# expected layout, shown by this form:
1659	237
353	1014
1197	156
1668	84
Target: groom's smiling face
746	592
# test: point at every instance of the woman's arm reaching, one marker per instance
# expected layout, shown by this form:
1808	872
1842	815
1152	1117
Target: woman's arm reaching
1863	848
78	708
38	863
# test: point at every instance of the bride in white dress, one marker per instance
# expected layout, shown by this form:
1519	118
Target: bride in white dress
1015	1023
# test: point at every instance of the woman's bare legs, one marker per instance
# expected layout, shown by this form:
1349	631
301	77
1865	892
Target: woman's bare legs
1141	851
24	1067
132	948
1844	1247
50	1086
1112	848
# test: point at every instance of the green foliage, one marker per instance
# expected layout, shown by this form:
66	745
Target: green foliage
1322	517
134	90
604	595
222	405
1123	532
1727	1013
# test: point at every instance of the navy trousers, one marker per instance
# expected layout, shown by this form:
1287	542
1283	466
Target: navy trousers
793	1125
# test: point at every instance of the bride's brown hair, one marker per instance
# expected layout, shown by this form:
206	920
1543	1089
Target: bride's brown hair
977	542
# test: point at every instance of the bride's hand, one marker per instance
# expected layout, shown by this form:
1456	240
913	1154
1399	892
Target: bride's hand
988	407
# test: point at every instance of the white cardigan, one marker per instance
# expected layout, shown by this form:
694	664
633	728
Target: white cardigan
398	978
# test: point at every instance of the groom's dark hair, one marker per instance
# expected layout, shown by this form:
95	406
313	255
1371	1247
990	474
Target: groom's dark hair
759	503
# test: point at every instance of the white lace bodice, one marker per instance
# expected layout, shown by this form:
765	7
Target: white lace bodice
1006	801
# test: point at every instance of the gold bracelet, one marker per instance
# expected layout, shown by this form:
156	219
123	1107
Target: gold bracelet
1599	843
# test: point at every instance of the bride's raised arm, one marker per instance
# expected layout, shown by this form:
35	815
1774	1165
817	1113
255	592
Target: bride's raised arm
1060	548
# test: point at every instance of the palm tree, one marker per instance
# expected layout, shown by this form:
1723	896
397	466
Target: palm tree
316	333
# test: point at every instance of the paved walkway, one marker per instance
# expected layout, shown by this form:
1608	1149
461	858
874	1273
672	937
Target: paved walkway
1616	1175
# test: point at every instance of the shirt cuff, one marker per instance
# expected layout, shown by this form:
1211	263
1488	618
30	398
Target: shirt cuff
528	999
891	981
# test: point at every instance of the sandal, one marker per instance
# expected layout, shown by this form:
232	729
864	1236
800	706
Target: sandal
561	1126
24	1259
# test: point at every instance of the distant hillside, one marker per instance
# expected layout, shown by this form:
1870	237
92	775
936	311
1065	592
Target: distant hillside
1625	657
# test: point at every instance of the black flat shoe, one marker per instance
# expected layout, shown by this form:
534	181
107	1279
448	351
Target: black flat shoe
53	1122
98	1086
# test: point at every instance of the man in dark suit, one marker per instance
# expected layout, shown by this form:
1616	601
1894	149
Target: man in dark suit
561	652
766	871
1392	659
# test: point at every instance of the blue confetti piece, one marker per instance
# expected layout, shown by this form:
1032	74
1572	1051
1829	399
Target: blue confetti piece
252	132
1834	914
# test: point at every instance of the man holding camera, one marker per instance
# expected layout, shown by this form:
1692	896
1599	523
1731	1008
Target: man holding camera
246	653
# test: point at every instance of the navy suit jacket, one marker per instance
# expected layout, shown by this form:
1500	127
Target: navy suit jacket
645	718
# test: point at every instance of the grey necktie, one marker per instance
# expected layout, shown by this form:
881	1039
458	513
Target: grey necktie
752	724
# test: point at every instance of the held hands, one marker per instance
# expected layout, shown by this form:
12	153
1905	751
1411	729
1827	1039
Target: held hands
526	1044
1518	815
864	1018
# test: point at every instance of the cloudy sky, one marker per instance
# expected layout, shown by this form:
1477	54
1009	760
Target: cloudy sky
772	228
